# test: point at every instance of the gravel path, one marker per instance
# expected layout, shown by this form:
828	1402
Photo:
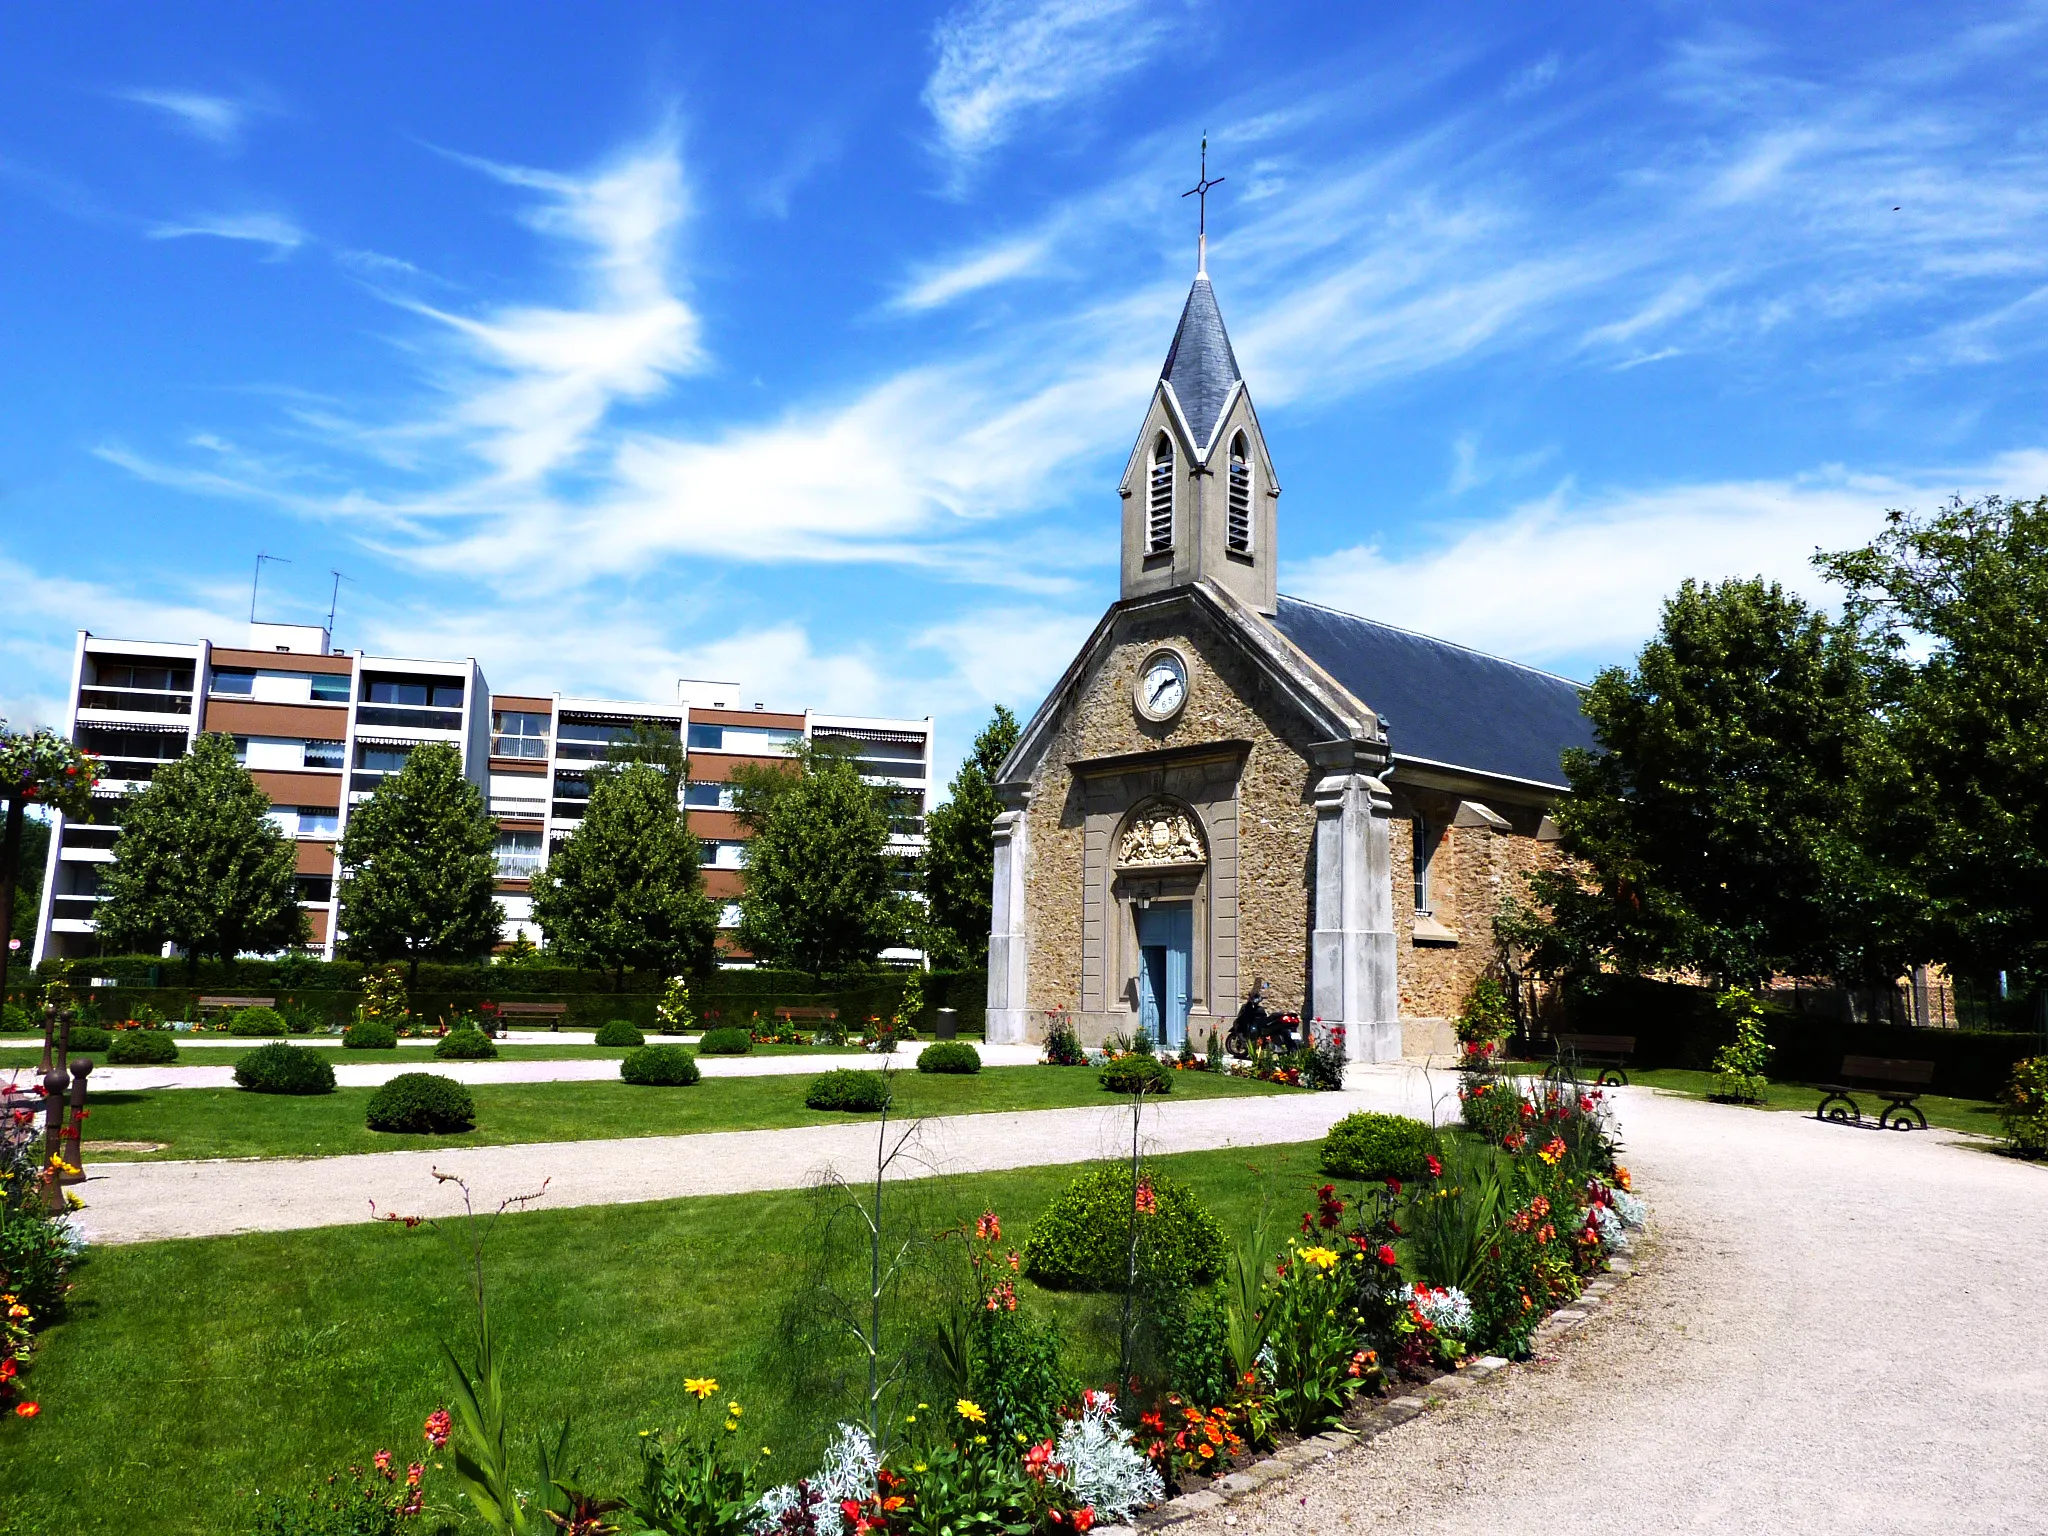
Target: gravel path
1831	1331
138	1202
587	1070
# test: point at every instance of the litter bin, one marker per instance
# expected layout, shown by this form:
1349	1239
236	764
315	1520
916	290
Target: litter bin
946	1025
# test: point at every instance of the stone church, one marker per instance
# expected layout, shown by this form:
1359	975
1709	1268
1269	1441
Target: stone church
1230	786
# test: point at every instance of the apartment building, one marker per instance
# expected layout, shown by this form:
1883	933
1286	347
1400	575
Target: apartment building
319	730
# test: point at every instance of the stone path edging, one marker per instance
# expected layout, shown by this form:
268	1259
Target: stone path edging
1364	1423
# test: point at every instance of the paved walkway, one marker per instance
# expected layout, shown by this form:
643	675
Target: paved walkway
137	1202
1831	1331
586	1070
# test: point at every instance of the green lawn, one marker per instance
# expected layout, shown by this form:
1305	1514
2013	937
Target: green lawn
193	1373
228	1122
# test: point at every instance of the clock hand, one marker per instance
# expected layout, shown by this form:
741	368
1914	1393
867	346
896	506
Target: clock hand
1159	688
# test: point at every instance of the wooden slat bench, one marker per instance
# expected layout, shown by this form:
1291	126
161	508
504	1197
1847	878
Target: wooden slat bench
1898	1083
222	1004
1608	1054
552	1012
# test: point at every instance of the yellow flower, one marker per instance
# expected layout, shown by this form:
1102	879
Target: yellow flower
766	1452
920	1467
971	1412
1322	1258
731	1425
700	1387
981	1439
734	1409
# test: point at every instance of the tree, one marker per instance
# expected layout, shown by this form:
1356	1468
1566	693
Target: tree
821	891
1959	602
417	865
1723	825
40	768
201	865
959	856
623	892
647	742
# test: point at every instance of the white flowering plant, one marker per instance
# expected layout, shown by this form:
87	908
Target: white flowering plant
1106	1471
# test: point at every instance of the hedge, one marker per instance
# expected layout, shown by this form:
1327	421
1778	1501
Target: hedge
1370	1146
849	1089
142	1048
1081	1241
660	1066
955	1056
1678	1026
281	1068
422	1103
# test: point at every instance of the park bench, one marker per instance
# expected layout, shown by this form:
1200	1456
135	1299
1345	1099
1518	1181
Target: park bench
1898	1083
1607	1054
227	1004
552	1012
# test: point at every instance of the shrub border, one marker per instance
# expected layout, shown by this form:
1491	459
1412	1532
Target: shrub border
1369	1419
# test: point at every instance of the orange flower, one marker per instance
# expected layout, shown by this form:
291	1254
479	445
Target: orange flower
27	1410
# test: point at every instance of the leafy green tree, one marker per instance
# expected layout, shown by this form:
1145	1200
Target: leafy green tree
1958	600
623	892
822	893
959	857
1723	826
417	865
36	768
651	743
201	865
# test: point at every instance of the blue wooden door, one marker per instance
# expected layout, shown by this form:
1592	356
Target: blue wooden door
1166	933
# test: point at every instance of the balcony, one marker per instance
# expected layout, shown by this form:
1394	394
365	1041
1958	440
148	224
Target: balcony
518	866
135	701
507	805
519	746
410	717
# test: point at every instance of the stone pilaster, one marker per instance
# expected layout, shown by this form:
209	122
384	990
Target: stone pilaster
1352	947
1009	950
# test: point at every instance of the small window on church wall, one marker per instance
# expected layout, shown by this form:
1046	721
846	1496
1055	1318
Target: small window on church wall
1420	850
1240	529
1159	498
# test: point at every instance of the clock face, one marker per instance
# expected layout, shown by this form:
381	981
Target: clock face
1162	686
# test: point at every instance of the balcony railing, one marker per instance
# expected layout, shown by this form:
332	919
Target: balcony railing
509	805
519	746
410	716
518	866
135	701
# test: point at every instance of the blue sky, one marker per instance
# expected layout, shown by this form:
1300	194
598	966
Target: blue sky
615	343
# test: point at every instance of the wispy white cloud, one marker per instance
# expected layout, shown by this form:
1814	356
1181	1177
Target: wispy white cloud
1574	577
1001	61
274	230
217	119
930	287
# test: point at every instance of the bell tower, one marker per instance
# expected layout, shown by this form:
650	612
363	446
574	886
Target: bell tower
1199	491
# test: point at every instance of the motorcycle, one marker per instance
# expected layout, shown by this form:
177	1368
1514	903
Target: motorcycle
1256	1026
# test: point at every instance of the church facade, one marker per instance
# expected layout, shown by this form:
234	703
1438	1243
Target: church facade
1228	786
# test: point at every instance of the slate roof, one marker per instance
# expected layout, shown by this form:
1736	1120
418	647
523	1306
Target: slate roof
1200	366
1442	703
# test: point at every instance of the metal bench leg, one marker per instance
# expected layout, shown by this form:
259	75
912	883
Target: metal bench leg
1611	1077
1896	1115
1844	1111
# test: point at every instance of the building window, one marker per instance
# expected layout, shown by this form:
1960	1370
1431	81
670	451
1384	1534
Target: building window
318	821
516	734
519	855
322	754
708	797
416	692
724	855
382	756
316	889
234	681
1423	854
1159	498
1240	523
330	687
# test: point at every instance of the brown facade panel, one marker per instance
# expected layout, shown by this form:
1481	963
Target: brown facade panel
724	884
283	661
316	859
518	765
519	823
242	717
717	767
287	788
763	717
523	704
317	917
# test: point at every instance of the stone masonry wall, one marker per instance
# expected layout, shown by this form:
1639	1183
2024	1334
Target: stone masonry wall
1473	869
1228	699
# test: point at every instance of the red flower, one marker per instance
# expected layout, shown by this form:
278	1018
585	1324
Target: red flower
987	1228
27	1410
1436	1169
1084	1517
437	1427
7	1369
1393	1186
1388	1257
1148	1202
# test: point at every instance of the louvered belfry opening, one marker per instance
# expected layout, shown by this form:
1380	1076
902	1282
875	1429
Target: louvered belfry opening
1239	530
1159	501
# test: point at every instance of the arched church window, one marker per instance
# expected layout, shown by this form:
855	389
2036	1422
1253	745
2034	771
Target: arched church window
1239	530
1159	498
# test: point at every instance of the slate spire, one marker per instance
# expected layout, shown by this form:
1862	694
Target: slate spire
1201	370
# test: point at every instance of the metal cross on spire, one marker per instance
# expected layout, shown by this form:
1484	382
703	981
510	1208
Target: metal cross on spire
1200	191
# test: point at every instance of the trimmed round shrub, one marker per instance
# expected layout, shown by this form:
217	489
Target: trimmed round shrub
466	1044
849	1089
1372	1146
660	1066
281	1068
90	1037
142	1048
369	1035
256	1023
949	1056
729	1040
1081	1242
621	1032
423	1104
1137	1074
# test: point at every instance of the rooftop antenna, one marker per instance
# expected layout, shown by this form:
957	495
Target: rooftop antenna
1200	190
333	601
257	581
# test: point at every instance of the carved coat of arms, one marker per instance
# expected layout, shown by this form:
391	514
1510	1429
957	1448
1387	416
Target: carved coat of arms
1161	837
